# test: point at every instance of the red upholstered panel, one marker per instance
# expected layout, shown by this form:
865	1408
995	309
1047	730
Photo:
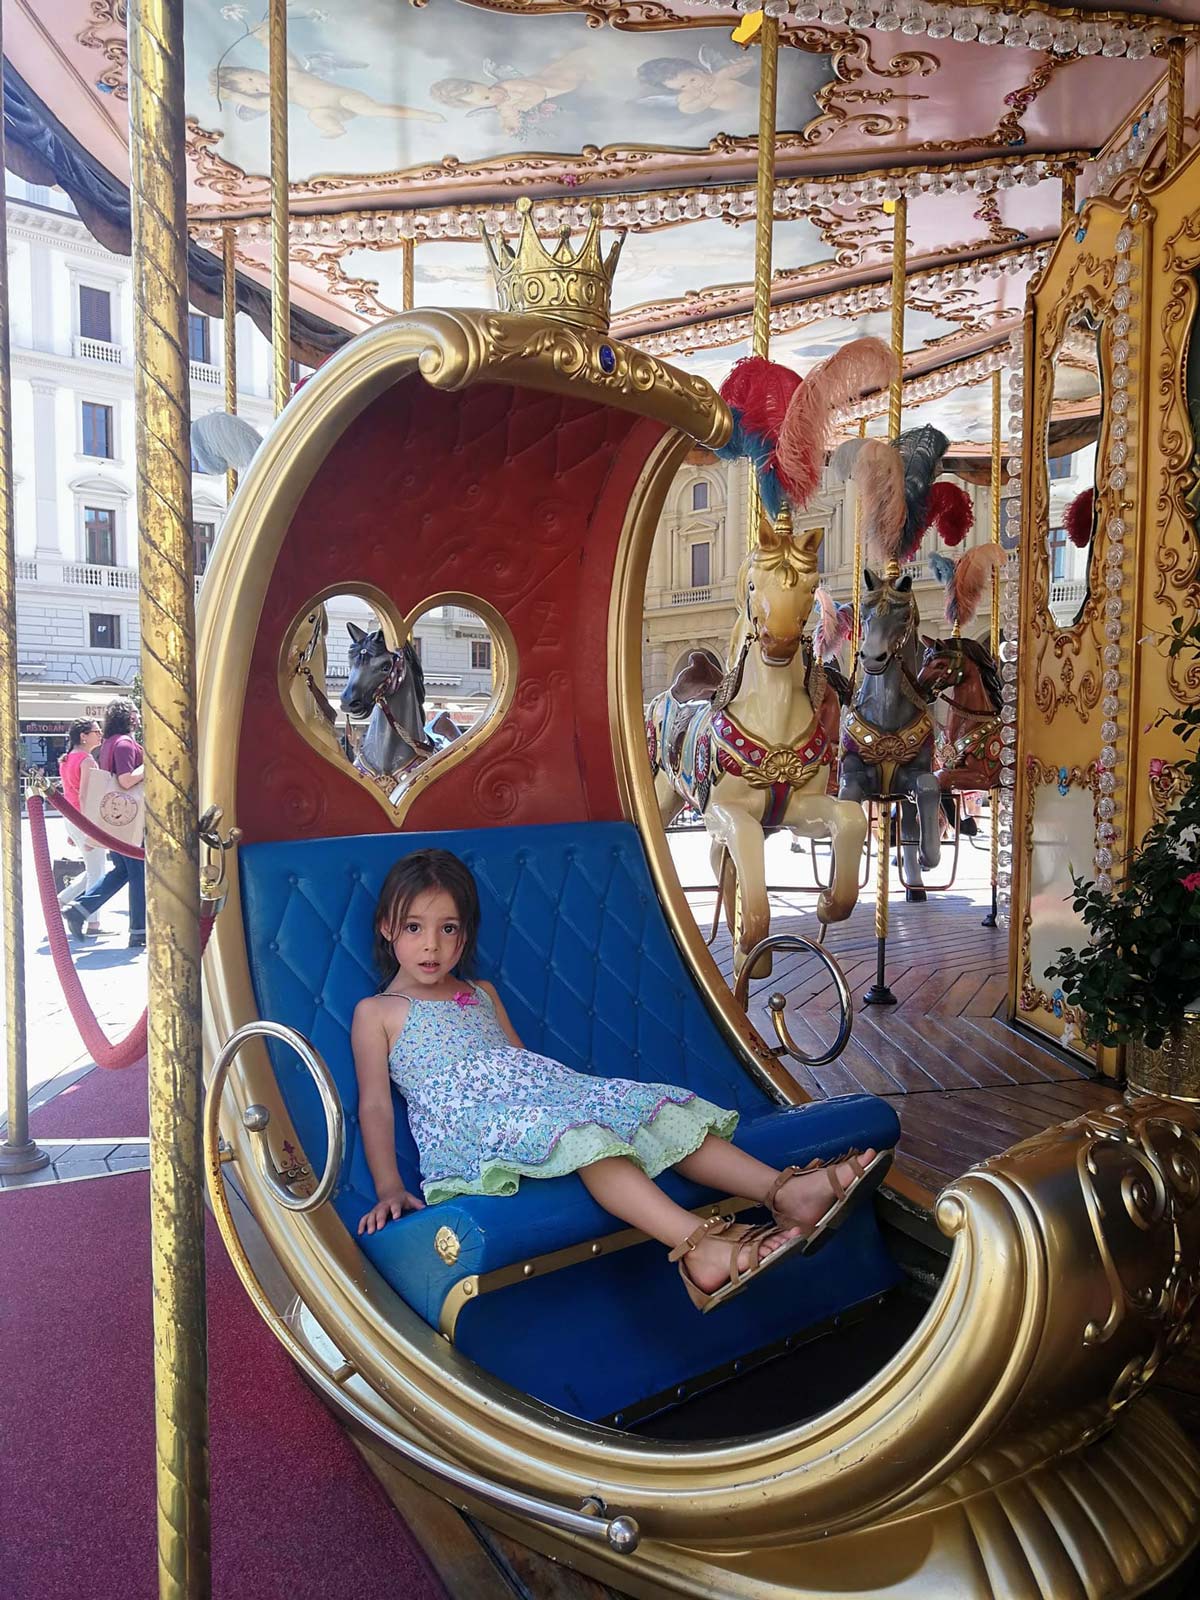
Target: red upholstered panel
516	496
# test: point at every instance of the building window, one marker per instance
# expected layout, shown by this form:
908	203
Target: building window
204	536
199	348
95	314
1060	467
416	644
481	655
700	495
104	630
297	373
100	534
97	430
1058	552
701	565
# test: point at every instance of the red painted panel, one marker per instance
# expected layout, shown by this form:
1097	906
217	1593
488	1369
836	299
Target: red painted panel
516	496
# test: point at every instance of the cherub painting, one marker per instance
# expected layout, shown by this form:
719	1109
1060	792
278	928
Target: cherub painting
329	106
712	81
520	100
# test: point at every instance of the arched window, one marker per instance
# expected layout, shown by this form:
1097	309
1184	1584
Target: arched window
700	495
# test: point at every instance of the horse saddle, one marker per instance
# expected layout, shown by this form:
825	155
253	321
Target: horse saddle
699	680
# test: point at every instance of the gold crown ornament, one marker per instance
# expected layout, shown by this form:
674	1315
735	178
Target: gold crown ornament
570	286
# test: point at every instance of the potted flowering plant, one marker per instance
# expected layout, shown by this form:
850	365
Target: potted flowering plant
1137	980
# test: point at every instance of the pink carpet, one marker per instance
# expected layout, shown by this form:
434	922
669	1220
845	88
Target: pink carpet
294	1512
101	1104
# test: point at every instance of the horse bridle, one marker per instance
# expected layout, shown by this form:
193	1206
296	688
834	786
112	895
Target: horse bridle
913	688
383	695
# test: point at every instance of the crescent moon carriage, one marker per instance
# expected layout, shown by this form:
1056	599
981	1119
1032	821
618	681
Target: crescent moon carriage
648	452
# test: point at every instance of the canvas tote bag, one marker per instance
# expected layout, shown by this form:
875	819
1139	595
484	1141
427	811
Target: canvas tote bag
120	812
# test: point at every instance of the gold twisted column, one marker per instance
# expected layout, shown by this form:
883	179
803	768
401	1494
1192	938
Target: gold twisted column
18	1153
1176	59
167	615
764	222
229	315
879	994
1069	179
408	251
281	307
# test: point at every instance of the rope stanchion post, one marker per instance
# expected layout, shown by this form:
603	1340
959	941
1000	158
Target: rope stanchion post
166	565
18	1152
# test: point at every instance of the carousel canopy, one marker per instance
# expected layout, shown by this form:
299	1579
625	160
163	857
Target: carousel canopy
422	123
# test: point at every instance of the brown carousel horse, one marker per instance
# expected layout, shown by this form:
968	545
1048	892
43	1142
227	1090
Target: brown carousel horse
756	752
960	675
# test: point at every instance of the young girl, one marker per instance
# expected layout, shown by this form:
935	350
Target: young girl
485	1112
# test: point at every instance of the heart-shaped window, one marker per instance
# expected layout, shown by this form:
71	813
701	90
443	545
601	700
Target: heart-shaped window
395	700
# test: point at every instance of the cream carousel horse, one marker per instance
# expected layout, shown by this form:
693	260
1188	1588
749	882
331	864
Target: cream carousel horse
758	753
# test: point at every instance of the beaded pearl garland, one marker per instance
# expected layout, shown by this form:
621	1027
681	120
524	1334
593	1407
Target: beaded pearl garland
1023	30
1010	627
1118	474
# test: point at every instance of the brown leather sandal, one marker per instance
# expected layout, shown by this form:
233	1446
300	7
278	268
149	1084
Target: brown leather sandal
721	1228
846	1197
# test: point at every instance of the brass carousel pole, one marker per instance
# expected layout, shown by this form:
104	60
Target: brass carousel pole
229	314
167	616
281	310
879	994
1176	60
764	223
1070	178
18	1153
989	920
856	579
407	253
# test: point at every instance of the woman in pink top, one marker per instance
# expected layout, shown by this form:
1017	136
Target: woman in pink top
82	738
122	755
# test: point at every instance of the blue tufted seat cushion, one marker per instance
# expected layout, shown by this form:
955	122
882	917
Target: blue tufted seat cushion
574	938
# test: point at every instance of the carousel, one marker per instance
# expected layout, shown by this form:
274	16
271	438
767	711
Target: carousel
932	266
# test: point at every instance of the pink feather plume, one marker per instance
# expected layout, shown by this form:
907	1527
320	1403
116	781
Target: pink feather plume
971	574
760	390
834	627
878	475
858	369
1077	519
950	511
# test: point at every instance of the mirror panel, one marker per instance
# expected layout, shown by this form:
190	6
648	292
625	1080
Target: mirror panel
1060	829
1072	433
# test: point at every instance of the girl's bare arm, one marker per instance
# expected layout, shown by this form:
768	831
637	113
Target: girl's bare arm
376	1118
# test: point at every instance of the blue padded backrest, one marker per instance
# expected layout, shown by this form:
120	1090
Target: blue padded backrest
572	935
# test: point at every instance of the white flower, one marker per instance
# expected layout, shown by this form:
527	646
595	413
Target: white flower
1190	835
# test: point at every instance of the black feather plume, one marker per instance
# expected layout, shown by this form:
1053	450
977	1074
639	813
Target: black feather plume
921	450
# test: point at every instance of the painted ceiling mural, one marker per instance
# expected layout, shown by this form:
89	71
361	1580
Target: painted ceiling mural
411	121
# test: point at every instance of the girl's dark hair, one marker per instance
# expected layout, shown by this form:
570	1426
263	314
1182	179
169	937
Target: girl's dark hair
77	730
119	717
413	875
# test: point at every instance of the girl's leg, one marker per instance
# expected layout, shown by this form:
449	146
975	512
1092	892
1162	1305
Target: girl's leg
805	1199
624	1190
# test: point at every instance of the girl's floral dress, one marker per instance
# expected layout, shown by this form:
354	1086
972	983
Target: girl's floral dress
485	1114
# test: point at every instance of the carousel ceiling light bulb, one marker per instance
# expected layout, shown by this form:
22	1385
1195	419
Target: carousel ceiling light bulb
1017	36
1137	49
965	28
1040	35
835	15
888	20
1104	883
991	32
1106	783
806	11
914	21
939	26
1066	40
862	18
1113	43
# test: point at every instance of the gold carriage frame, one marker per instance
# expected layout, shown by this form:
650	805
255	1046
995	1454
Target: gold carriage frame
957	1419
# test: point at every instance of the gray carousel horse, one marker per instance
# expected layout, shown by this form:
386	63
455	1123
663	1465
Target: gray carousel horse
887	730
887	739
390	685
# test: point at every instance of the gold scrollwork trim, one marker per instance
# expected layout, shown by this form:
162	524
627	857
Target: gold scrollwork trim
481	1283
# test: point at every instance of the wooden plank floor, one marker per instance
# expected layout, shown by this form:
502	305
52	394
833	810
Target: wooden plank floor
964	1083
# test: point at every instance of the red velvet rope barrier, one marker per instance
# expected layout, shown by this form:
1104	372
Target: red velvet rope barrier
104	1053
92	830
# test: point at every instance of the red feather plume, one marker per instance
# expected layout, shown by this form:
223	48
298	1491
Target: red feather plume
949	510
1077	519
760	390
